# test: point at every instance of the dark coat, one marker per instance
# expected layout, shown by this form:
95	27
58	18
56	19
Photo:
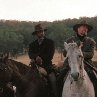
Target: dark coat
44	50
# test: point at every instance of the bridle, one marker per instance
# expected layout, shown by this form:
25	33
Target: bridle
3	66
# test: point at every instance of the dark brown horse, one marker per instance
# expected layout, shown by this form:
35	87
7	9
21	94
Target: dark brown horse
23	69
30	85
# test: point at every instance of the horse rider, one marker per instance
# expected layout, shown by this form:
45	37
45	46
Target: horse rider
41	51
87	46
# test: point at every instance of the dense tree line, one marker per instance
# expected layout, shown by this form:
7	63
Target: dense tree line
16	35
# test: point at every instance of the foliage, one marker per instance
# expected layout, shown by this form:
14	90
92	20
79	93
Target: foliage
18	34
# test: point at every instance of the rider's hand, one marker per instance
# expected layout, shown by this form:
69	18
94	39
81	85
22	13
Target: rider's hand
32	62
38	60
81	45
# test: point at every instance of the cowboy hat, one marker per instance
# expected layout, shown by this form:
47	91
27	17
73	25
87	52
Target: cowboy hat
82	23
38	28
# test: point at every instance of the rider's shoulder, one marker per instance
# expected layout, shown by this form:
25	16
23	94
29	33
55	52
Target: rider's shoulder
33	42
91	40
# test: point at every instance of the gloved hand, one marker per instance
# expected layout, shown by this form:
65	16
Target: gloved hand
42	71
38	60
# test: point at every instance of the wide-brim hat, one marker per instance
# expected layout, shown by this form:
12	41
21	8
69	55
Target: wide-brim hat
38	28
82	23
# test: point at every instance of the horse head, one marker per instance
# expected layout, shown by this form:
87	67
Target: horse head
77	83
75	60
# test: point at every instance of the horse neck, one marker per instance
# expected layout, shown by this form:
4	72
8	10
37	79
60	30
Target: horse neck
33	75
23	68
18	79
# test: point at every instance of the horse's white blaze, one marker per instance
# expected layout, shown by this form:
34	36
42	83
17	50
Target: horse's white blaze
83	86
66	45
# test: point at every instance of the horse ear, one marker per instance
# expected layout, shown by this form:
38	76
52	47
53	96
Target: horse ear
1	56
66	45
5	57
73	41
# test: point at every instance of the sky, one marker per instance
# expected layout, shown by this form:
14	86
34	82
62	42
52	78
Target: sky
46	10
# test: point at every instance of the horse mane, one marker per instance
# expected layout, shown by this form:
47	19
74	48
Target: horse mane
23	68
31	85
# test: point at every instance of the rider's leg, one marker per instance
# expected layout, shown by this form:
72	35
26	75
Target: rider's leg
52	79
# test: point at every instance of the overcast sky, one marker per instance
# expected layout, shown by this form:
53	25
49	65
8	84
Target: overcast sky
46	10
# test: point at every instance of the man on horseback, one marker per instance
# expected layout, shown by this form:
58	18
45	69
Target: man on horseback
41	52
87	46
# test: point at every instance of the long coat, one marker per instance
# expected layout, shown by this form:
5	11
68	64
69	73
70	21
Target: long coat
45	50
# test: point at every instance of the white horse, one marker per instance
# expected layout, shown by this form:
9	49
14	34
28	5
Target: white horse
77	83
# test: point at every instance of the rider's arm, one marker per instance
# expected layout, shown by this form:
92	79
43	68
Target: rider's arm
88	52
32	53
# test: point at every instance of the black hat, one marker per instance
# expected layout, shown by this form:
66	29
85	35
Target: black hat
82	23
38	28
